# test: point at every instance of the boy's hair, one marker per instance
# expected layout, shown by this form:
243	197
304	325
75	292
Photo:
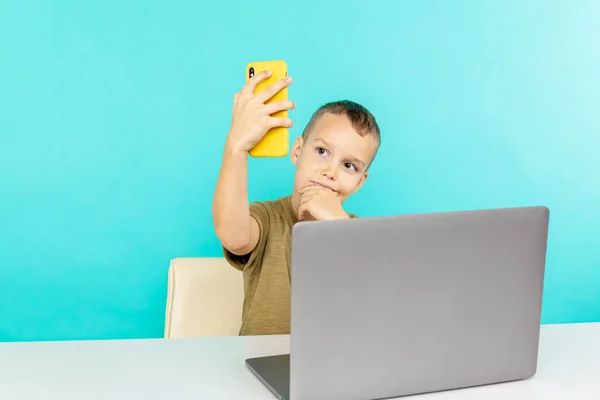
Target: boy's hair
362	120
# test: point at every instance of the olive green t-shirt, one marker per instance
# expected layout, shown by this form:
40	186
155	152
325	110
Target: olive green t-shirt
266	270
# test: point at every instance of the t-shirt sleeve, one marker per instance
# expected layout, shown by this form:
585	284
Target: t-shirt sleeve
260	213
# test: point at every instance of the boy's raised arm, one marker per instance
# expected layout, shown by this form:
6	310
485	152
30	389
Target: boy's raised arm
237	231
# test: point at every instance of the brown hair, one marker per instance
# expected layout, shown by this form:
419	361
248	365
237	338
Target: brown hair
362	120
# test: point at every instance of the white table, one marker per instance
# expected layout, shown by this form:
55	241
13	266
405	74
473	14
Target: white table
213	368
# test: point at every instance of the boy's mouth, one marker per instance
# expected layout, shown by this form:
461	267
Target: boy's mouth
325	186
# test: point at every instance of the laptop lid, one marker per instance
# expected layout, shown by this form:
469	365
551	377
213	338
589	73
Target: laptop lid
392	306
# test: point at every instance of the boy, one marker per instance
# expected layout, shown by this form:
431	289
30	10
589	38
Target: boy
332	158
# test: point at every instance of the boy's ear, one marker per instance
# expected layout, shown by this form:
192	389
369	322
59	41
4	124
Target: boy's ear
296	147
361	182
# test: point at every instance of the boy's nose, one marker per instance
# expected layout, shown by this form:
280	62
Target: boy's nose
328	173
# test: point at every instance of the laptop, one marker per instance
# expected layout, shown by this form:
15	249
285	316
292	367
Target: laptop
393	306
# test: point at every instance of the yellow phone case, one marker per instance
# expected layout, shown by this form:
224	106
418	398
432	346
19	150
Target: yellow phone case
275	143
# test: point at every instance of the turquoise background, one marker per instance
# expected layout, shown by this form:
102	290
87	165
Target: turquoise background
113	116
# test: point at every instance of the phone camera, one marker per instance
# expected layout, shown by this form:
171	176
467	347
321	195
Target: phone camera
251	72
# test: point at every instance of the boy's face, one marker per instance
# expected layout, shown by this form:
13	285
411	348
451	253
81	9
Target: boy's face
333	155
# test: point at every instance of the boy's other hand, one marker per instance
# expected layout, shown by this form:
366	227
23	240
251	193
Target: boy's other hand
251	117
320	203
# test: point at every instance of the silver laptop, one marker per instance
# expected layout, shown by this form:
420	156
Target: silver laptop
393	306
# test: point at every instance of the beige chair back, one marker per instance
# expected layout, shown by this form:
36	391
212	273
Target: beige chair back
205	298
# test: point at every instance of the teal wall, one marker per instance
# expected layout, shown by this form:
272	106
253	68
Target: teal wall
113	116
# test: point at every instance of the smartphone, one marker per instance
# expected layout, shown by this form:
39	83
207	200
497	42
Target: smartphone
275	143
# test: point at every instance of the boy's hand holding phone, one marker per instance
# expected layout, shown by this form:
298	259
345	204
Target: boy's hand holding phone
251	117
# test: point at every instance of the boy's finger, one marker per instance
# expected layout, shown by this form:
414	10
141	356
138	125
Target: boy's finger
250	86
272	90
277	106
308	185
275	122
301	211
309	188
317	188
311	184
306	196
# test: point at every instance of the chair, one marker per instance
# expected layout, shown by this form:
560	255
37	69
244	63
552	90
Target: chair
205	298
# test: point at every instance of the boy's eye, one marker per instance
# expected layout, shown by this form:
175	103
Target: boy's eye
350	166
321	151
